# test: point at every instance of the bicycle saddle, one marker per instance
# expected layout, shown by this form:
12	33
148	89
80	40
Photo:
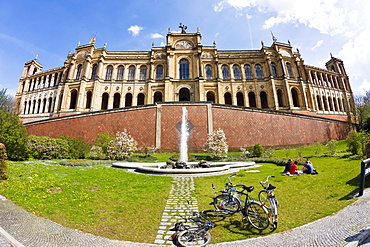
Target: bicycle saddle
249	189
270	187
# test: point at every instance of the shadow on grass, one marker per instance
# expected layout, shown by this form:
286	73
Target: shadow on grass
246	229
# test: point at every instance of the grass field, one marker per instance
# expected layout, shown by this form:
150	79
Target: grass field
121	205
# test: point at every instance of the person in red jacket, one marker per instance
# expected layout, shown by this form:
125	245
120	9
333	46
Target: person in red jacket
294	168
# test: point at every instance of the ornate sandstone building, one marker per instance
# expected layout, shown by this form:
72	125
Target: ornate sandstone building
94	79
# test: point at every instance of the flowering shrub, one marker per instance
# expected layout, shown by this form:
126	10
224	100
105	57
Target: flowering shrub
41	147
216	144
77	148
121	147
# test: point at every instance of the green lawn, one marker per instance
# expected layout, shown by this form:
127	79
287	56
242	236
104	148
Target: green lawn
121	205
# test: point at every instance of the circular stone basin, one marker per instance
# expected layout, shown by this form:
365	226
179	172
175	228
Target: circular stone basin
155	167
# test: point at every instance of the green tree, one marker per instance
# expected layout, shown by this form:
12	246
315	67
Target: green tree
216	144
332	146
6	101
13	135
362	103
356	142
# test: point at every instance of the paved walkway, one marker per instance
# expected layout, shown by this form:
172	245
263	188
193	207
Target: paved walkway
348	227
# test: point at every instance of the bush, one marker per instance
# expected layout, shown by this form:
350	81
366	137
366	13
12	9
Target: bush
42	147
256	150
332	147
77	148
121	147
216	144
102	140
13	135
3	163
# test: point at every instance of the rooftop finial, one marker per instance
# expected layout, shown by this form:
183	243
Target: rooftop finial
273	37
183	28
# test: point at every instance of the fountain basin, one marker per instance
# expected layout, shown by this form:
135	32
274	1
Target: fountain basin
155	167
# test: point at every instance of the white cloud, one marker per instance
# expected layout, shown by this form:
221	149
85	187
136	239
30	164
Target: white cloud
156	36
323	15
318	44
135	30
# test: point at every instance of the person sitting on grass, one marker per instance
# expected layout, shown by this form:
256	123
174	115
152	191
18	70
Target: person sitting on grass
308	168
287	166
294	168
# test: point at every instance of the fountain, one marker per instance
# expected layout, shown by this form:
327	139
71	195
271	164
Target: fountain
182	166
184	135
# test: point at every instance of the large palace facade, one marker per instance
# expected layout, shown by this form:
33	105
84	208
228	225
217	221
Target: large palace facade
94	79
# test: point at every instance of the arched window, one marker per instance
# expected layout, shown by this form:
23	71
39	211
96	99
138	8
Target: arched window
289	69
211	96
50	105
264	103
60	102
38	105
318	101
330	104
142	76
49	81
78	73
108	74
280	98
184	69
131	73
55	79
157	97
104	101
73	102
240	99
159	73
184	94
29	106
128	100
273	70
116	100
225	72
228	99
33	106
236	70
335	104
295	97
208	72
120	71
43	105
248	72
259	72
94	71
88	99
252	99
140	99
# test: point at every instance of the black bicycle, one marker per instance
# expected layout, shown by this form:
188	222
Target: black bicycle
193	235
228	202
268	199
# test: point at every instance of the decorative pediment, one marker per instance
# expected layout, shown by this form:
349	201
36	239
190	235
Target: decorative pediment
207	55
184	45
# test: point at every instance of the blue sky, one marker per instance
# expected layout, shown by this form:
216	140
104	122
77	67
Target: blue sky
49	29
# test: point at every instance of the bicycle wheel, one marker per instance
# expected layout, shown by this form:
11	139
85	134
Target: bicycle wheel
263	196
193	238
226	203
257	215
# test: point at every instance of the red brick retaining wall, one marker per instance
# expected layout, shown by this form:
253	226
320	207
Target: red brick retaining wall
155	126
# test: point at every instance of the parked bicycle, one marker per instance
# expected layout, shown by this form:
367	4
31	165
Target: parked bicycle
228	202
193	235
268	199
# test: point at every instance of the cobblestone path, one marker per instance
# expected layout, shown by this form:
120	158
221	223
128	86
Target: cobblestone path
179	202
